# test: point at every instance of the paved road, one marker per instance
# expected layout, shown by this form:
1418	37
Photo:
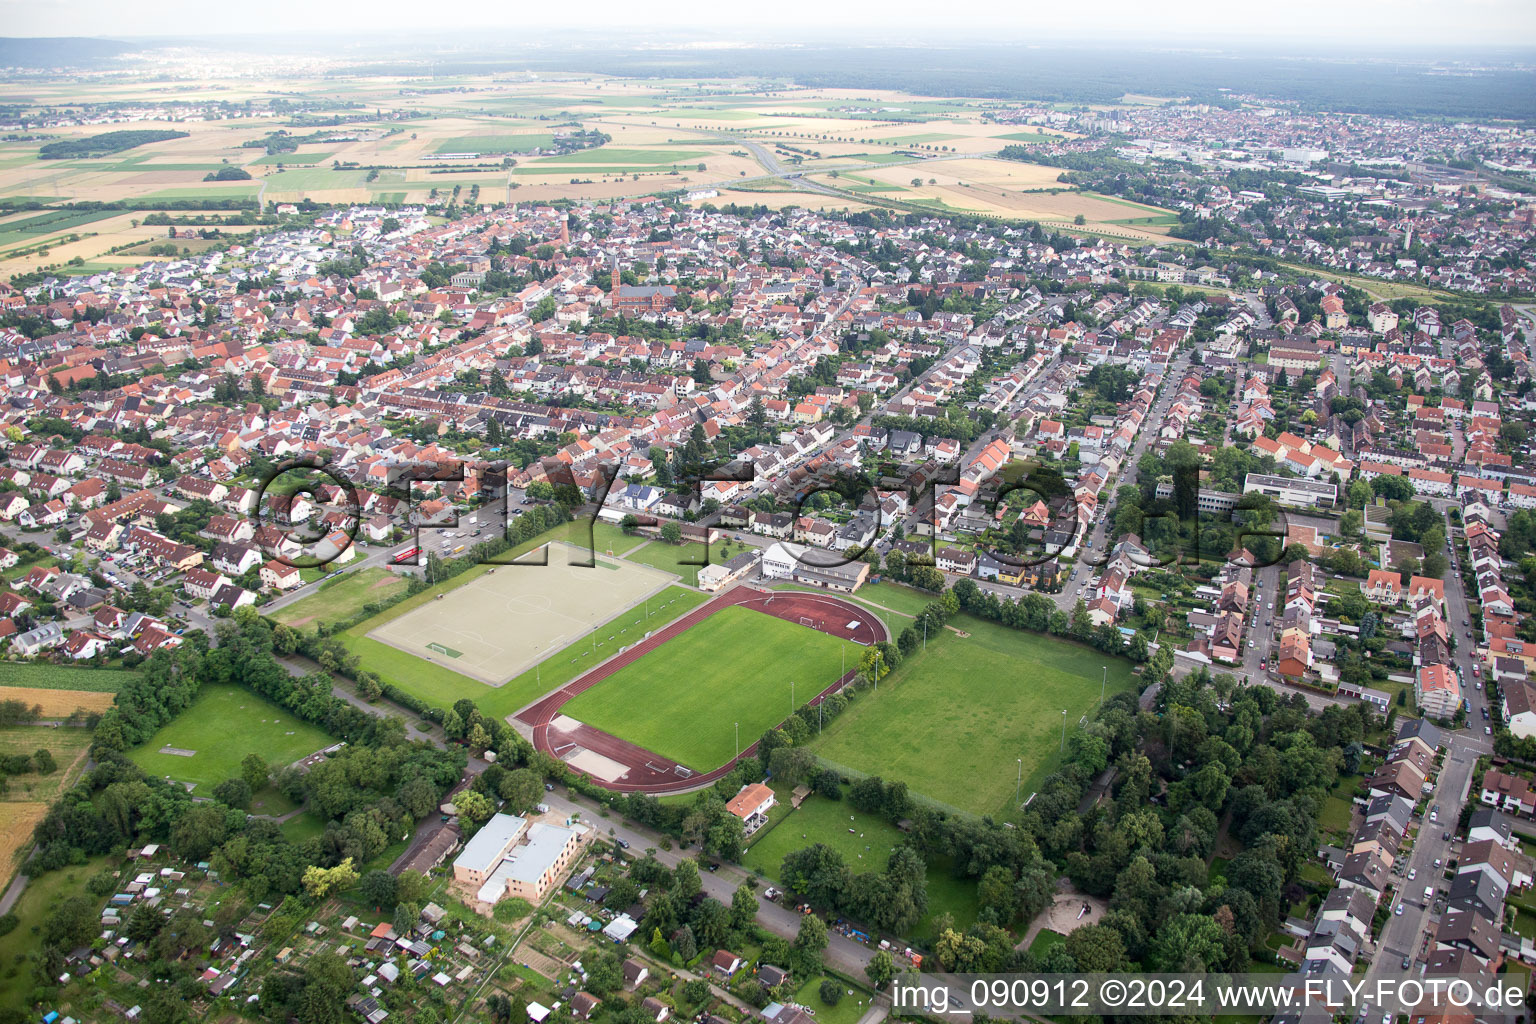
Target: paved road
842	953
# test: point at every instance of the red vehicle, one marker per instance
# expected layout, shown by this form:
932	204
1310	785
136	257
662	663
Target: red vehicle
406	556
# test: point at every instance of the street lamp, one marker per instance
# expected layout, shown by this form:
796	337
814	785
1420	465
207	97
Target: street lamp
738	739
1104	684
1063	730
1018	787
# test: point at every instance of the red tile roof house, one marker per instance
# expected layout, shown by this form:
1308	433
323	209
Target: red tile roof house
725	962
279	576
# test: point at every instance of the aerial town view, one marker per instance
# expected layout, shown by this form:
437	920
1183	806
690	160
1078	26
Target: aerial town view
508	521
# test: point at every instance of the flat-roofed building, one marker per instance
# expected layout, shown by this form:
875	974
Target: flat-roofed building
1292	491
488	848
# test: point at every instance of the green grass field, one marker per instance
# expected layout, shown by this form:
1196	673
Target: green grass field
223	725
848	1009
866	848
343	597
953	720
61	677
670	558
736	666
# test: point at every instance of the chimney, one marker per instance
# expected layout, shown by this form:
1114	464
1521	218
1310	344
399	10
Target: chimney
613	285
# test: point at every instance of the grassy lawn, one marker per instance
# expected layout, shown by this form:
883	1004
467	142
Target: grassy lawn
952	720
62	677
1335	815
1045	941
302	827
848	1009
682	699
67	744
658	554
866	848
224	724
342	598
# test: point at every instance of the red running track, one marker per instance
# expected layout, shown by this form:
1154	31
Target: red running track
648	772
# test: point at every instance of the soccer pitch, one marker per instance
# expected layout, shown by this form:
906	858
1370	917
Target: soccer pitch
686	699
956	720
506	619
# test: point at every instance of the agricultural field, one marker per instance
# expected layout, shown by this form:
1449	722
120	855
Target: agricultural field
952	721
1007	188
67	744
58	704
683	699
224	724
342	598
60	677
865	842
660	133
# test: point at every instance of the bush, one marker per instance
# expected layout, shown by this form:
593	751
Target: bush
831	992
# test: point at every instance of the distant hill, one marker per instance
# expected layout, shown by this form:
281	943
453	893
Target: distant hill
59	51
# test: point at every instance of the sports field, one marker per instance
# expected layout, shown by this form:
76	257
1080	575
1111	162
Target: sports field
684	699
506	619
224	724
953	720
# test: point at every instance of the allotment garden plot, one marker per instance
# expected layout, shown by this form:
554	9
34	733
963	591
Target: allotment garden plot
506	619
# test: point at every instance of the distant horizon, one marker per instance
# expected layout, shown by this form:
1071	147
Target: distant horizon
1342	26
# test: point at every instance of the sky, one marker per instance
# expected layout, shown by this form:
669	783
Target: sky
1328	24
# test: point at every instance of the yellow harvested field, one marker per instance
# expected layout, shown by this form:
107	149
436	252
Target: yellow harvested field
1009	188
58	703
96	238
17	820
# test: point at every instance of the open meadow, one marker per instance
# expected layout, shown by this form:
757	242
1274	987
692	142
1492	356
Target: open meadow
205	744
686	699
953	721
342	598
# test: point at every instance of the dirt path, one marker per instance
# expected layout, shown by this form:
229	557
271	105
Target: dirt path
1062	916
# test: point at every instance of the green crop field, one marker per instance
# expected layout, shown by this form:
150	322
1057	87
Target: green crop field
865	842
953	720
683	699
61	677
620	157
492	144
224	724
292	159
343	597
